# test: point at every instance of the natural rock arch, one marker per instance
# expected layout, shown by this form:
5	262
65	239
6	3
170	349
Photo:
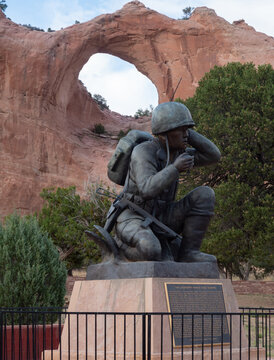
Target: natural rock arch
45	111
133	90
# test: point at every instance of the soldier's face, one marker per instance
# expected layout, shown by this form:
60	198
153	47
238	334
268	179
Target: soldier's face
178	138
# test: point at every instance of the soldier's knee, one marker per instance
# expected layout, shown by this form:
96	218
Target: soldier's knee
204	194
149	246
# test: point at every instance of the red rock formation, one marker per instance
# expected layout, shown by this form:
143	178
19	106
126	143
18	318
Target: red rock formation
46	113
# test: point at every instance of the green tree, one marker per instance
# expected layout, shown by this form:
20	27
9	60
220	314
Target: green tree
65	216
187	12
141	112
99	129
233	106
32	28
3	5
31	273
101	101
123	133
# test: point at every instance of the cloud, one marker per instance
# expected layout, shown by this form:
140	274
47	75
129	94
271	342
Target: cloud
170	8
254	13
61	15
125	89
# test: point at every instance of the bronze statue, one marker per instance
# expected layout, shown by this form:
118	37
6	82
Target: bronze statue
149	224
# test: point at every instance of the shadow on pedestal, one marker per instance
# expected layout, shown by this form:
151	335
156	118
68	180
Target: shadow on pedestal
152	269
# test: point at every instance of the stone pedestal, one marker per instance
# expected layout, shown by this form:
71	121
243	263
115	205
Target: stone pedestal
152	269
96	336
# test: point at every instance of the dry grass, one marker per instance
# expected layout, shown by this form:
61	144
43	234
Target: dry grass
258	330
79	272
255	300
252	277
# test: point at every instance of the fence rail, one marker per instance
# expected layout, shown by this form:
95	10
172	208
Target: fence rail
43	334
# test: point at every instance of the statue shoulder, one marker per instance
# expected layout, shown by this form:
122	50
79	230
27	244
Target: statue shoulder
146	149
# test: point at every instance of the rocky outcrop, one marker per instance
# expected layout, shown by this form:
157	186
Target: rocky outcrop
46	114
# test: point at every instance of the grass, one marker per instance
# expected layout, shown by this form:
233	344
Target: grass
255	300
258	330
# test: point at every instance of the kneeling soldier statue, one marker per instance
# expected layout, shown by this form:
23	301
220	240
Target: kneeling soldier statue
149	224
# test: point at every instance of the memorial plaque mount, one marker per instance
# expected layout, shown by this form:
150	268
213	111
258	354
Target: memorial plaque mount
188	326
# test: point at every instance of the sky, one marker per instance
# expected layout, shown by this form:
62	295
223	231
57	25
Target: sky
132	89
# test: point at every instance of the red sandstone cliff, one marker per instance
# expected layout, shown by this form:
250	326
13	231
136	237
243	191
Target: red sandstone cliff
45	112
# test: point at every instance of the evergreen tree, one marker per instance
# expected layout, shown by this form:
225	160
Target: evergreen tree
3	5
187	12
31	273
65	216
233	106
101	101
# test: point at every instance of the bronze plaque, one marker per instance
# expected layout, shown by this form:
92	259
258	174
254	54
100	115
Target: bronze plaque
194	329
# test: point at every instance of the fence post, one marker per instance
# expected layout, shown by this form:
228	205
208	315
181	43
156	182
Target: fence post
144	336
149	337
257	329
266	345
260	336
1	335
270	344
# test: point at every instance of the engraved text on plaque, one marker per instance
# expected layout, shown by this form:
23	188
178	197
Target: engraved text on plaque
196	329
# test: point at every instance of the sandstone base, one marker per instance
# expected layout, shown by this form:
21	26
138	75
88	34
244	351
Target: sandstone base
90	333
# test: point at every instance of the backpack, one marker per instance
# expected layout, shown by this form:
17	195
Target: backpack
119	162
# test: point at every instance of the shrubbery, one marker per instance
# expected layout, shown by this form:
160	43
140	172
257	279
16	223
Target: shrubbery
233	107
32	28
3	5
99	129
31	273
123	133
187	13
65	216
140	112
101	101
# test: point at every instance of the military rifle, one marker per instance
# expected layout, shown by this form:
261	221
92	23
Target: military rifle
121	204
176	89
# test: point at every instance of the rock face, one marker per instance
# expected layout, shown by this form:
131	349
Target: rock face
46	114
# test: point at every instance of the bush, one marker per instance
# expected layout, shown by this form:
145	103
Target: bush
101	101
99	129
32	28
3	5
233	107
31	273
65	216
123	133
187	13
141	113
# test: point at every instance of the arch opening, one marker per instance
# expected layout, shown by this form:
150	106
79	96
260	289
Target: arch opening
124	88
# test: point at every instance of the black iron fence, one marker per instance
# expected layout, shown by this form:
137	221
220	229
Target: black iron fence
28	334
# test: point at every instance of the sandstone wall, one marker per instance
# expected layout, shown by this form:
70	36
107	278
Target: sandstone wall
46	114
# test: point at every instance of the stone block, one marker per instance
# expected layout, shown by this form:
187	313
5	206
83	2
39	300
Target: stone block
92	332
152	269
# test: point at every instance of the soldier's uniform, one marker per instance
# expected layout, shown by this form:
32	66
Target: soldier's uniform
152	185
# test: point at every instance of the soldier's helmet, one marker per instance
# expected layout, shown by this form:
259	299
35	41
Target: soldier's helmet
170	115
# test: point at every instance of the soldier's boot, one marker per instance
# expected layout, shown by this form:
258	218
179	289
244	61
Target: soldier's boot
193	234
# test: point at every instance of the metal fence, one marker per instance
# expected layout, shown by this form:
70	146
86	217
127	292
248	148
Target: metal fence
58	334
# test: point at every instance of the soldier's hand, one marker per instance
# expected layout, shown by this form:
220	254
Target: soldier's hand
184	162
